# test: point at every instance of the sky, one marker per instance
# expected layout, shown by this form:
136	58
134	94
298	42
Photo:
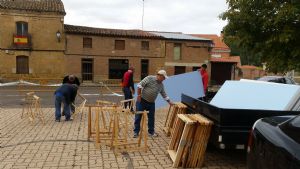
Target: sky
186	16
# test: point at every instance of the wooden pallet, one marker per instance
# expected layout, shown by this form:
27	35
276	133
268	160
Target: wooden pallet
189	140
177	108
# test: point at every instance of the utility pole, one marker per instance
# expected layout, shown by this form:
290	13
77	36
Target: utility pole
143	17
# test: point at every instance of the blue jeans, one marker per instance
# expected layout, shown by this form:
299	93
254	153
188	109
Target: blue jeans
141	106
127	94
58	100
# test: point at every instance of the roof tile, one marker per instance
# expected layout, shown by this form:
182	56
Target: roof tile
219	44
233	59
72	29
55	6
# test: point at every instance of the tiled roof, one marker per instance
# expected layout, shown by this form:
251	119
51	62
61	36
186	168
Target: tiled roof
179	36
34	5
232	59
219	44
72	29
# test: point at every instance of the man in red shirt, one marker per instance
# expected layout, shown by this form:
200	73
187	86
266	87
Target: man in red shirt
204	76
127	83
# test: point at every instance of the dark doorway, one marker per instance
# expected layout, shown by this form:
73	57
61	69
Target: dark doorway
179	70
117	67
22	65
195	68
144	68
220	72
87	69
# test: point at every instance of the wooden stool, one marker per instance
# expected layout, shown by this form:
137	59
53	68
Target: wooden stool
32	108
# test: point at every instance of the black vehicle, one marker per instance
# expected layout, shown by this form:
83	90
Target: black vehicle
231	126
277	79
275	143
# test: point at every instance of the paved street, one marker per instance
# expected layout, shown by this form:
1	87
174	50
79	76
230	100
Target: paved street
65	144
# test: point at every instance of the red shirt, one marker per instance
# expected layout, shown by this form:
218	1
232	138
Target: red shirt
127	80
204	75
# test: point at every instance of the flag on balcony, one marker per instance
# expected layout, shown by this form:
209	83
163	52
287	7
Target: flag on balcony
20	39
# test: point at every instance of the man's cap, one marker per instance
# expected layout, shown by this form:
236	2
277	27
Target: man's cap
162	72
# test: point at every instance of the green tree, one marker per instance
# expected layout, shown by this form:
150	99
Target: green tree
265	31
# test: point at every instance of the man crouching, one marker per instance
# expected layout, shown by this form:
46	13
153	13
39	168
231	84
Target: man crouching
65	94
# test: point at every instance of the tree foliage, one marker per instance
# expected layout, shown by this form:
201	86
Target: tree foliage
265	31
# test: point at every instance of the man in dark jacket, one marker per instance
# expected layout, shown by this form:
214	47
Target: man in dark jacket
71	79
65	94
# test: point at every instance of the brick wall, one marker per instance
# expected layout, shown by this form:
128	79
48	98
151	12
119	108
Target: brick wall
103	49
45	54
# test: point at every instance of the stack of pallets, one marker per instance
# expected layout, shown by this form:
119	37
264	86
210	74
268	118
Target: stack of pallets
189	140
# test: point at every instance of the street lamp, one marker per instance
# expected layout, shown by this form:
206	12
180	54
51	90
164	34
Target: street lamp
58	35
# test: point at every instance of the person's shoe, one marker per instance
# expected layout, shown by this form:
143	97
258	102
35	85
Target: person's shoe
69	120
135	135
57	120
153	135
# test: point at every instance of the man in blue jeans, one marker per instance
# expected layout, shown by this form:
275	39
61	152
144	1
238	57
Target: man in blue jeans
65	94
147	92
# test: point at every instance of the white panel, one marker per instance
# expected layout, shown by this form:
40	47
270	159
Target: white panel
249	94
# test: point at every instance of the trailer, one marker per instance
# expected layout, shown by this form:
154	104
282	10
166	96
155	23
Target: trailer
231	127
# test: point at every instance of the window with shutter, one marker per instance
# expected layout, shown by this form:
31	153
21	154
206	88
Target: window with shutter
87	42
145	45
22	65
22	28
120	44
177	51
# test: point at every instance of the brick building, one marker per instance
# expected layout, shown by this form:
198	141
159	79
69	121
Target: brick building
31	38
184	53
35	42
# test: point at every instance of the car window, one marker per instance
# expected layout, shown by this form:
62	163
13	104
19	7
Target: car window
296	122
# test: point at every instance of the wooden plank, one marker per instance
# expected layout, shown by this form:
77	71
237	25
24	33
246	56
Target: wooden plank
185	118
172	154
181	144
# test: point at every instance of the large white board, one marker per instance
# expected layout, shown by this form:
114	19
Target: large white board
256	95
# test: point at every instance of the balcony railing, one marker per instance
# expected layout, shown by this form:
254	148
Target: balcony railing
22	41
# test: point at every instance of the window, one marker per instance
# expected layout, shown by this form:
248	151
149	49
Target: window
87	69
195	68
120	44
144	68
87	43
22	65
117	67
22	28
177	51
179	70
145	45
